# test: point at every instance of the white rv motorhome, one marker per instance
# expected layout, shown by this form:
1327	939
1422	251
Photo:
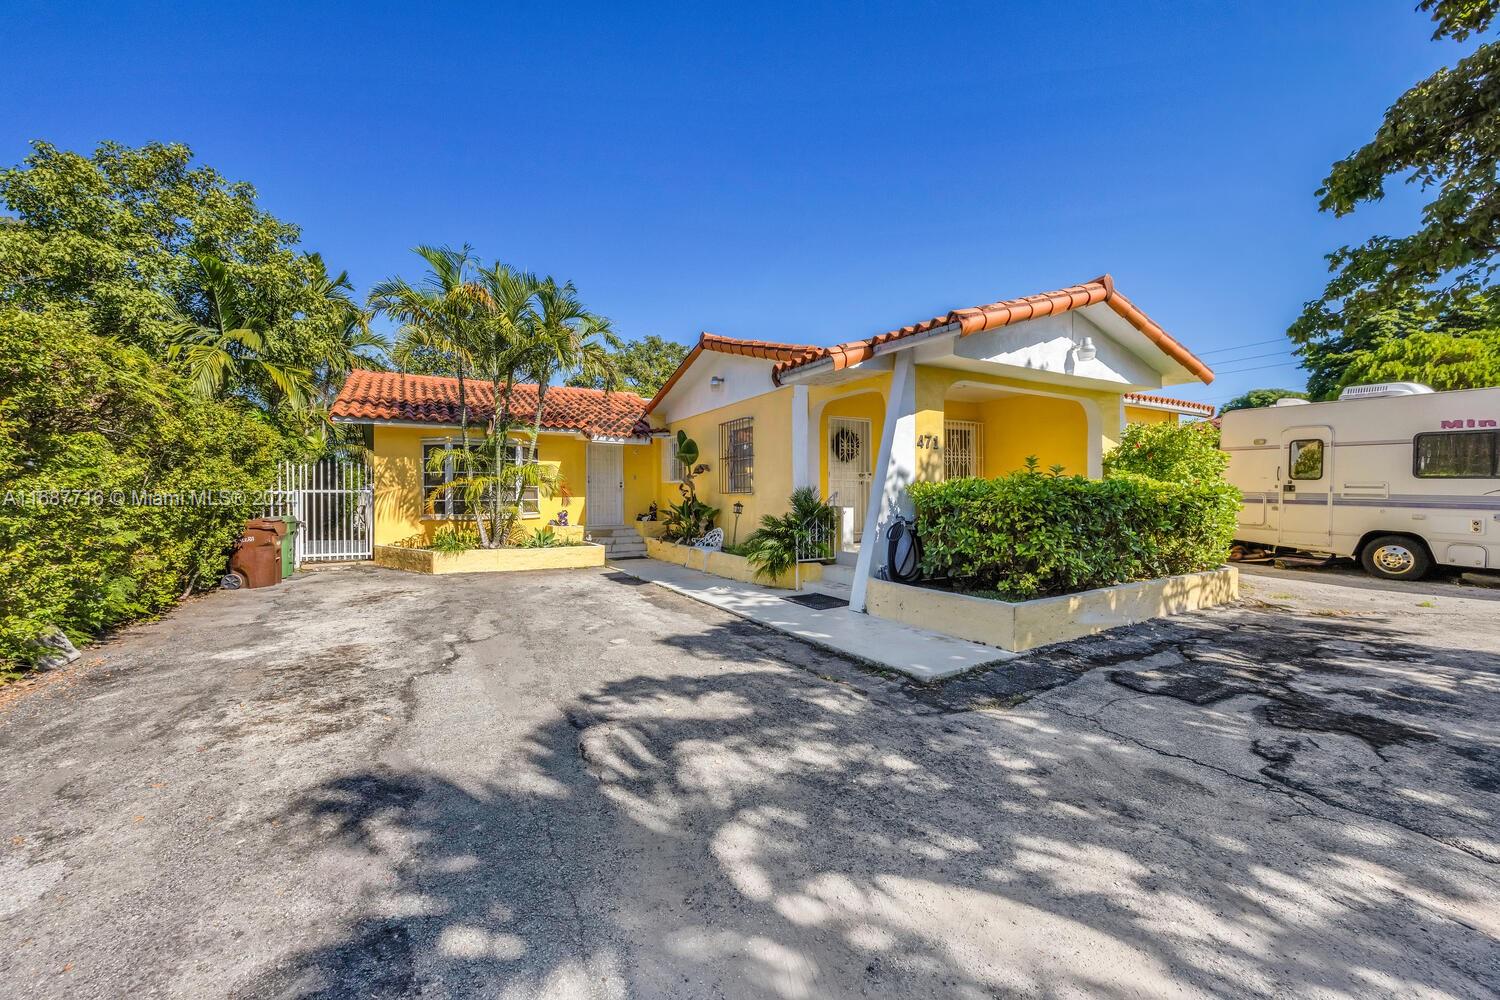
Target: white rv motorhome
1396	475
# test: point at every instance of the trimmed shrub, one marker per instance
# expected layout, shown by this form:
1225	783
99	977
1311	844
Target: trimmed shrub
1031	534
99	446
1170	452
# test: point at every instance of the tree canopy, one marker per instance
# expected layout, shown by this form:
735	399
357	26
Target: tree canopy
1442	135
1257	398
142	246
644	365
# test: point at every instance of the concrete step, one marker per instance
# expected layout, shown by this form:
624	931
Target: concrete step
841	574
848	558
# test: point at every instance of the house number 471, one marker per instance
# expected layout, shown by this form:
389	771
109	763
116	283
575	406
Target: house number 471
928	441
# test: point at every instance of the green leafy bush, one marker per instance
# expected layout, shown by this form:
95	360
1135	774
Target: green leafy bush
545	538
105	457
688	521
1030	534
772	550
451	541
1170	452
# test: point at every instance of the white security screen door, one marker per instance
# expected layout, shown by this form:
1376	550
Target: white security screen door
605	497
962	447
849	462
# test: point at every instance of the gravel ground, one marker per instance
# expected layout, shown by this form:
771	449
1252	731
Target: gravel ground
370	784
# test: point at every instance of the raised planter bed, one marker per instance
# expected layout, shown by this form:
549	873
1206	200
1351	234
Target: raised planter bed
731	567
507	560
1022	625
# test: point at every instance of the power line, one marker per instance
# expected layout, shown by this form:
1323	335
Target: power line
1251	357
1260	368
1237	347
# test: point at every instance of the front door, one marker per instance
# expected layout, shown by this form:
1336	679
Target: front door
605	499
1306	475
849	463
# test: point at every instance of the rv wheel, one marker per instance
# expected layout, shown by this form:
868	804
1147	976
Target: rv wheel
1395	557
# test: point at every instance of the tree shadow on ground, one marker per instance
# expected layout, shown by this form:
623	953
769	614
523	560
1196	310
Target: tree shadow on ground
753	830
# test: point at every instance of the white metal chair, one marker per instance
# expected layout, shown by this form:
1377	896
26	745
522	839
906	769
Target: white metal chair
711	542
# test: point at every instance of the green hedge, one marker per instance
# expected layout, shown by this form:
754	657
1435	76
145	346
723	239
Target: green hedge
86	425
1031	534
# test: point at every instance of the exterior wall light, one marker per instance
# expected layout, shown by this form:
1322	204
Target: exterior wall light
716	382
1086	350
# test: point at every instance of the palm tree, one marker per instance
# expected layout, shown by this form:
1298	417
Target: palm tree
506	335
568	338
441	314
233	347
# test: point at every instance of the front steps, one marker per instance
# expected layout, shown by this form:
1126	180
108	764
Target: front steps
620	541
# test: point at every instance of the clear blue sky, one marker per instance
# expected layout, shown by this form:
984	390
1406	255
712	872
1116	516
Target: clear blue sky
801	172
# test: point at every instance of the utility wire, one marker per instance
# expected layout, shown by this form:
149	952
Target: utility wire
1259	368
1253	343
1252	357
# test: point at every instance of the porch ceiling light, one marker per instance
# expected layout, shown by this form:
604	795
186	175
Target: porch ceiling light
1086	350
716	381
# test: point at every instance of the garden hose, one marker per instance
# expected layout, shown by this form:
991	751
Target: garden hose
903	558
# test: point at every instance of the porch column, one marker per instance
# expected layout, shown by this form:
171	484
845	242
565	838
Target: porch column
803	473
895	467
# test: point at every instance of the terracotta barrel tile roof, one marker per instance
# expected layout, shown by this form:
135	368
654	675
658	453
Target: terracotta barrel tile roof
977	319
386	396
1179	404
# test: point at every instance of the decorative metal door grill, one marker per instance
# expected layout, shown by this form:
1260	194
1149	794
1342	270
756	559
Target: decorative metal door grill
737	451
962	449
333	501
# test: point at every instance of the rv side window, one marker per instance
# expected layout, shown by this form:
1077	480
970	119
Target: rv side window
1307	459
1457	455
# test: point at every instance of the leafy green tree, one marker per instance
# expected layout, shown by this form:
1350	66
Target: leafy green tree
1256	398
1441	360
1444	135
644	365
1174	453
230	351
86	423
115	242
1345	359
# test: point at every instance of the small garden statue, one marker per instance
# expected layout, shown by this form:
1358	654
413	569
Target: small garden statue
650	514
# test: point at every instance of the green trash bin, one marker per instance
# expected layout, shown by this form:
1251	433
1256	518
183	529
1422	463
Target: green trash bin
289	546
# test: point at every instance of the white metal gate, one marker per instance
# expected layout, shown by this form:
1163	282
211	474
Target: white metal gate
849	463
333	501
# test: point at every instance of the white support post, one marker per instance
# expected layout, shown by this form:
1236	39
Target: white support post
895	469
802	474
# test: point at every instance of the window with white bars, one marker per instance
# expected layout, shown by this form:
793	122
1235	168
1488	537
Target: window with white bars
737	456
450	503
963	449
673	471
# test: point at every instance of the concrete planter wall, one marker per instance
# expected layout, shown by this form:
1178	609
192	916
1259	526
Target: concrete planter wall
650	529
489	560
1022	625
731	567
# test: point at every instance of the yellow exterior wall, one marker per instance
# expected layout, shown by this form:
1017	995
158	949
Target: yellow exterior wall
1143	415
771	475
400	508
1054	430
642	478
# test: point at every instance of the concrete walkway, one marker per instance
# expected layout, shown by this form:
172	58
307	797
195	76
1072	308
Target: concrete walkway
918	653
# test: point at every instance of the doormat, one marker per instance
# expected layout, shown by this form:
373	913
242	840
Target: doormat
819	602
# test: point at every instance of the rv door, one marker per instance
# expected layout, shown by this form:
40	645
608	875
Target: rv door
1306	495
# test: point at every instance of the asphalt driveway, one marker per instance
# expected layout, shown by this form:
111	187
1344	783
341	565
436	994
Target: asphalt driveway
371	784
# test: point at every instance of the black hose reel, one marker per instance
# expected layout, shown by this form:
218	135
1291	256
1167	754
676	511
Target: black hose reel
903	552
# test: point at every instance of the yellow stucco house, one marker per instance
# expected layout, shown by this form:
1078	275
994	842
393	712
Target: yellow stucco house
970	393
